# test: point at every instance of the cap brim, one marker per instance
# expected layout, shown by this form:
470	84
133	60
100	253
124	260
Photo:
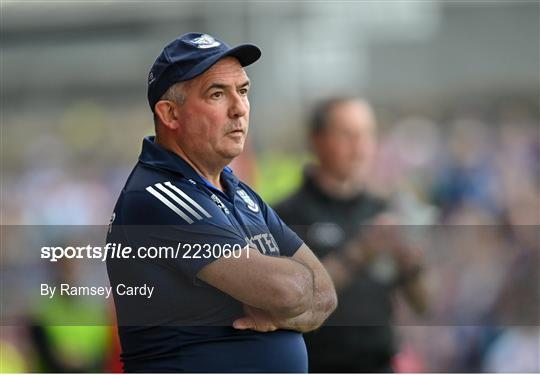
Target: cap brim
246	54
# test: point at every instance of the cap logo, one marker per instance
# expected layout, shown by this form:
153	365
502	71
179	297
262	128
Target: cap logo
205	41
151	78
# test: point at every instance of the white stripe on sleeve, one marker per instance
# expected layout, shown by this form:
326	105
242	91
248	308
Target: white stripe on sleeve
169	204
186	197
179	201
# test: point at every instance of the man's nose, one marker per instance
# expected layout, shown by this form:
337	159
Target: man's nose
362	146
239	106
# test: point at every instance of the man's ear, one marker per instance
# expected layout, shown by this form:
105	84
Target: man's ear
167	114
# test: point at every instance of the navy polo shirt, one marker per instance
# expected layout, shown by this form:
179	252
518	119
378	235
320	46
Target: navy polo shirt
186	326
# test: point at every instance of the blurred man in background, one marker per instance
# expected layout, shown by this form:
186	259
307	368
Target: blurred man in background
350	230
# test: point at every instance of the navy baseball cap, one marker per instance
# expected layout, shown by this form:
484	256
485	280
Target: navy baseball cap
189	56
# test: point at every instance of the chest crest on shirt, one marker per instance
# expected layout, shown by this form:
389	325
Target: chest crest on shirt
247	199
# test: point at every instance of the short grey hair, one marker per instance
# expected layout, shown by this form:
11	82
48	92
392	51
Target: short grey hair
175	93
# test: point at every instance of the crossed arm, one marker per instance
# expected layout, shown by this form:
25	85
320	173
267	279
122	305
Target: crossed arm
277	292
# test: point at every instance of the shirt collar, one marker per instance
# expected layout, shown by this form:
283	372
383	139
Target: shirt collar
156	156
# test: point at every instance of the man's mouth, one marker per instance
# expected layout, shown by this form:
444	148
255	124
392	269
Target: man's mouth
237	131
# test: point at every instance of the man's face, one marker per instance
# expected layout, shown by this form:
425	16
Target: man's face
214	117
346	146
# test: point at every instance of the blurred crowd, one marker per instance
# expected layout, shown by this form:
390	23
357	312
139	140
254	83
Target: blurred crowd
465	183
474	178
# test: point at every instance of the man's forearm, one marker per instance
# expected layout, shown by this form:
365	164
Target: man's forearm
320	302
278	285
324	301
303	279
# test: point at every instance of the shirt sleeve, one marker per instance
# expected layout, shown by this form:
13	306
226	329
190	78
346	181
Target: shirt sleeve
181	245
286	239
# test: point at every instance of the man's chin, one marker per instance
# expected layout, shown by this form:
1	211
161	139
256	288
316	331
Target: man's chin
233	152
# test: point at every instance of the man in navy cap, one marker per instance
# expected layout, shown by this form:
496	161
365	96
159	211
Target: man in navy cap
234	287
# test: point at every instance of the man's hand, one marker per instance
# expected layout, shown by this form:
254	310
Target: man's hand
261	321
408	258
255	319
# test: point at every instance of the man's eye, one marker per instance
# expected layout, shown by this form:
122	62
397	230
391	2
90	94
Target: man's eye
244	91
217	95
